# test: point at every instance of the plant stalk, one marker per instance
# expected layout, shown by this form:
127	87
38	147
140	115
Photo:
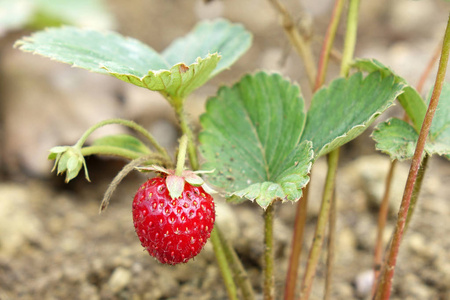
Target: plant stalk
130	124
192	151
269	281
328	43
239	272
382	217
330	248
297	242
300	44
223	264
300	217
384	289
181	155
319	235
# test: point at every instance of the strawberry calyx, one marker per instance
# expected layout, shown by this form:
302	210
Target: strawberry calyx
175	183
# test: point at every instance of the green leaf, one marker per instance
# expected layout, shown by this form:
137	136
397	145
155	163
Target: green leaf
439	136
183	67
396	138
342	111
229	40
410	99
124	141
251	135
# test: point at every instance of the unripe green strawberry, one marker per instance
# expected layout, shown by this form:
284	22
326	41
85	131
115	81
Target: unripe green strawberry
172	229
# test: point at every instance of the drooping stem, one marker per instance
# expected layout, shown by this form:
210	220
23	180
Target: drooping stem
297	242
223	264
181	155
384	289
382	217
191	148
300	44
130	124
330	248
239	272
269	280
319	235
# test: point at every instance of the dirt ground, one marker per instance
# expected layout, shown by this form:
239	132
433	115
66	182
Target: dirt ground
55	245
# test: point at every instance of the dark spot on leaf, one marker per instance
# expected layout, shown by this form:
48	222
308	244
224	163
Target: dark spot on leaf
183	68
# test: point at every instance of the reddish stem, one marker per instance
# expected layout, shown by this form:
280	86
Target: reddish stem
388	273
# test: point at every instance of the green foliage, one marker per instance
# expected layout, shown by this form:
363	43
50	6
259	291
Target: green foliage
410	99
343	110
183	67
251	137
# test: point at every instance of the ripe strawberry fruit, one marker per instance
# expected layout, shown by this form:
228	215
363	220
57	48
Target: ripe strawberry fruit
172	229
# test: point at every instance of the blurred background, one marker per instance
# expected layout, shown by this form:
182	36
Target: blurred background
54	245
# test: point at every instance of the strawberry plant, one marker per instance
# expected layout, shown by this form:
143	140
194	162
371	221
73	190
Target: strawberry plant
258	141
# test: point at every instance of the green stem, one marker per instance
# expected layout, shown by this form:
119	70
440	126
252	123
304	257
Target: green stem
239	272
350	37
416	189
192	151
314	254
300	217
223	264
130	124
181	155
384	290
331	247
300	44
218	246
269	282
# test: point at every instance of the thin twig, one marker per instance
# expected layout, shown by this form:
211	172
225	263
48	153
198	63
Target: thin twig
331	247
384	289
300	44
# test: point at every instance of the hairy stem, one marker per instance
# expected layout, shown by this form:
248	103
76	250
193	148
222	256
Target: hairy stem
269	281
384	290
239	272
223	264
331	247
416	189
130	124
319	235
300	44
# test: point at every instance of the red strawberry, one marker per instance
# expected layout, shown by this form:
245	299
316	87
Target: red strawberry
173	228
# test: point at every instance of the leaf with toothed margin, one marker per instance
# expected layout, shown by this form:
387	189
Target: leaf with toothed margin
251	135
343	110
183	67
410	99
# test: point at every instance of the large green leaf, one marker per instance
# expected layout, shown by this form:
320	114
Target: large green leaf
184	66
251	135
410	99
342	111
